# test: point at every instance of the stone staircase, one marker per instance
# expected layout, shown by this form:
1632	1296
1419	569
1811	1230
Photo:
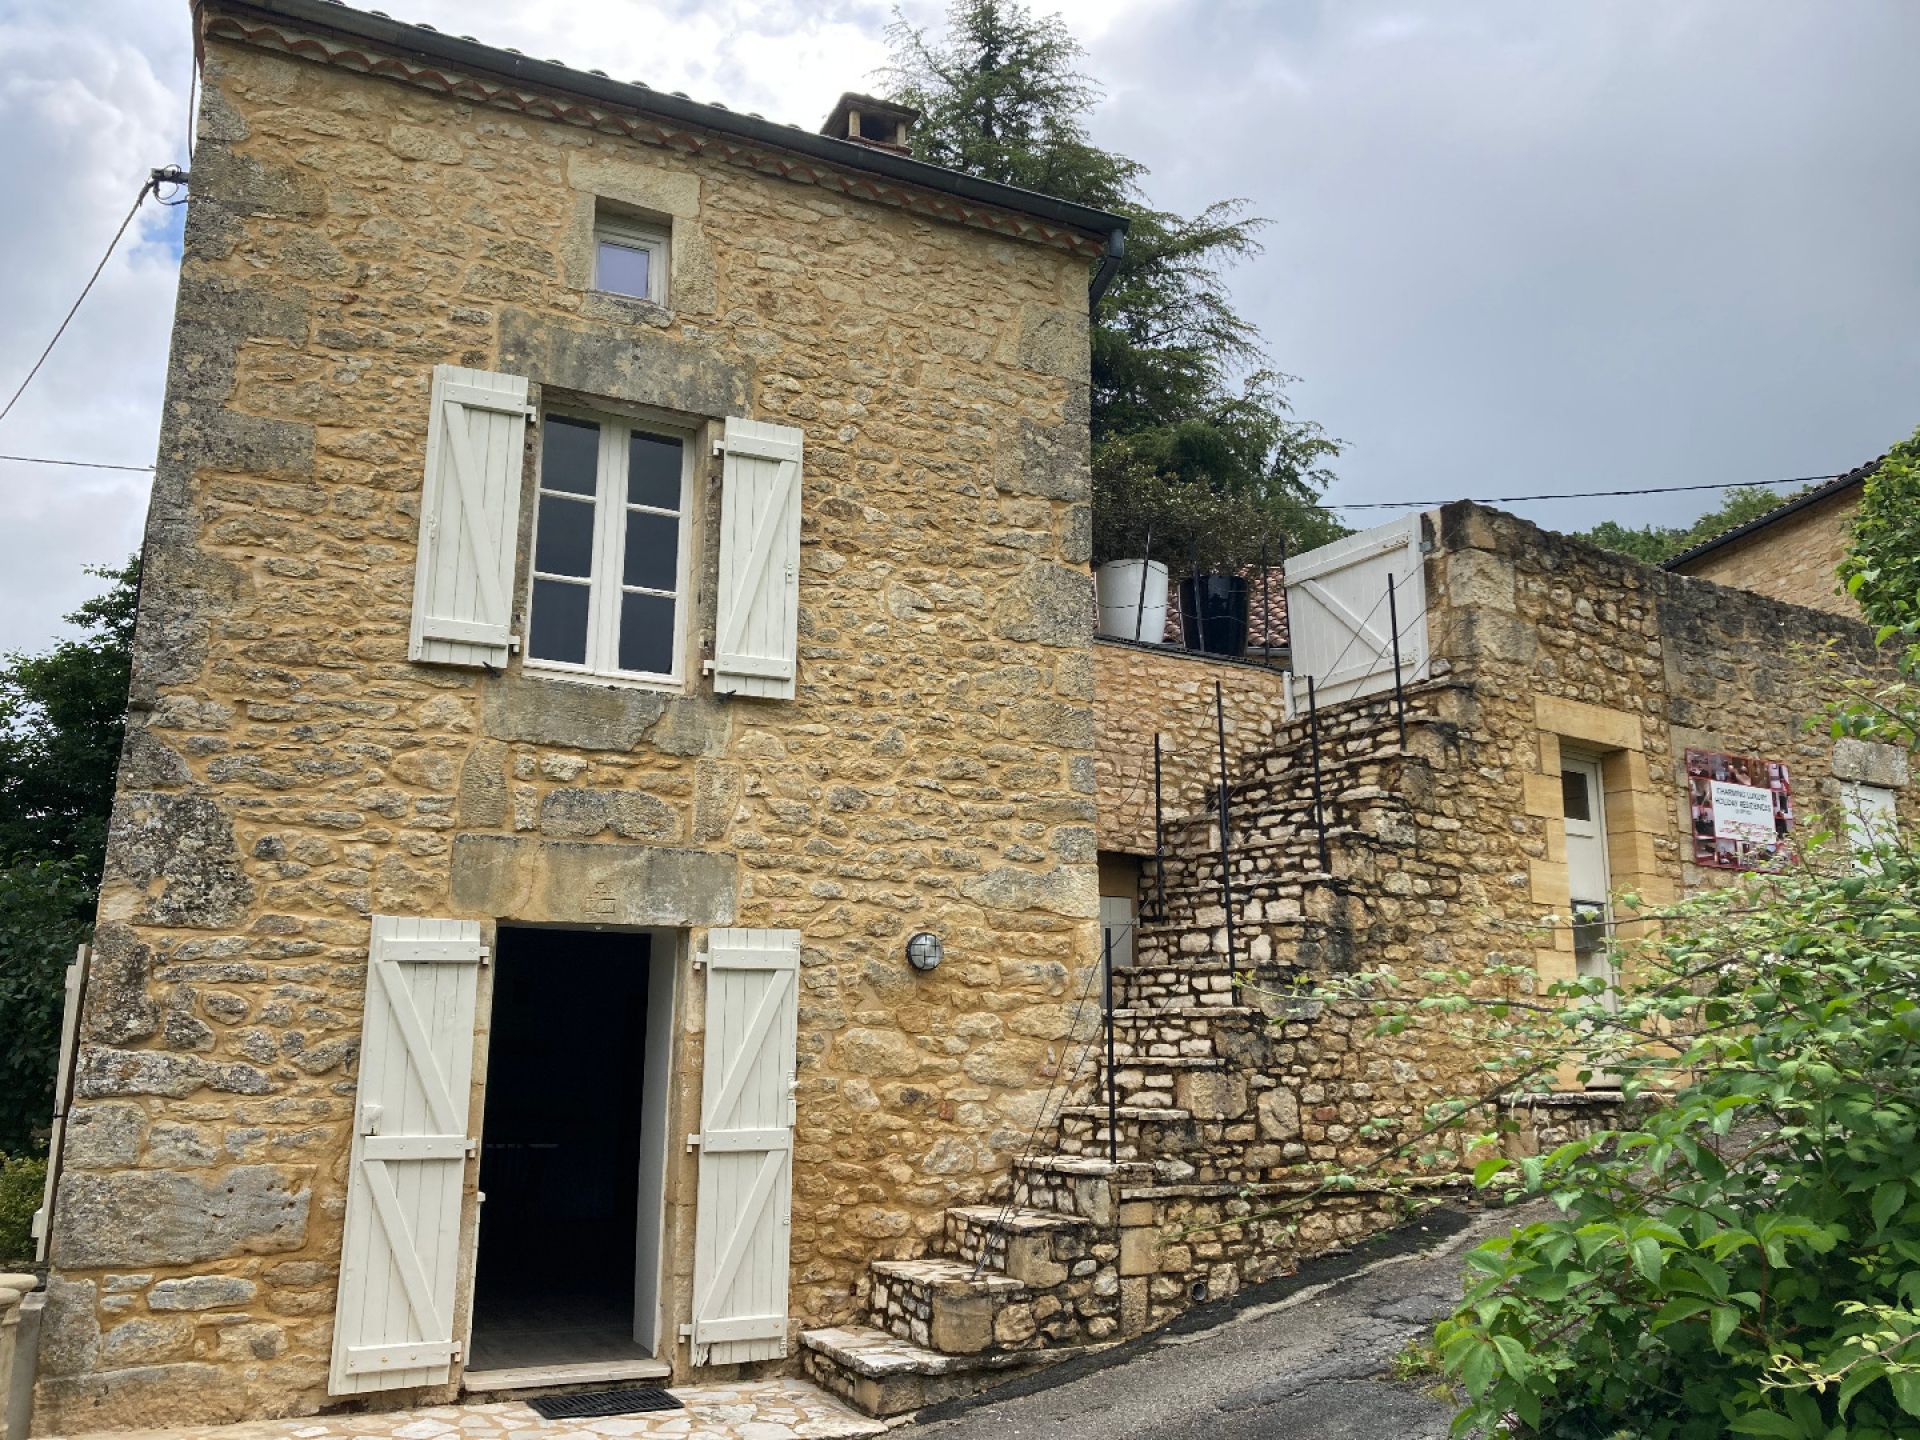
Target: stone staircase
1225	1093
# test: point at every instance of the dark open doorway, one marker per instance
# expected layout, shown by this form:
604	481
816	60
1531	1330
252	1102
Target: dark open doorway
562	1152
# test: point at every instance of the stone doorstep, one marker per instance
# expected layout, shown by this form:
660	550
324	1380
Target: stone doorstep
939	1276
884	1376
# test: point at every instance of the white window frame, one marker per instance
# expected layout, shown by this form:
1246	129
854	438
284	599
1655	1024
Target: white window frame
606	584
633	235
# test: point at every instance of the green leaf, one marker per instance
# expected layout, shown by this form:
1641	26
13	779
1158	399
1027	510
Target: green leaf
1887	1201
1766	1422
1513	1357
1486	1170
1647	1258
1906	1390
1722	1323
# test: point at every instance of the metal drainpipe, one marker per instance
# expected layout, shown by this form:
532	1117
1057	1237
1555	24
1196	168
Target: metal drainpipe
1109	267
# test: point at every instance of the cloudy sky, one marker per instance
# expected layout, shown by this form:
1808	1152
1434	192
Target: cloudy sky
1514	246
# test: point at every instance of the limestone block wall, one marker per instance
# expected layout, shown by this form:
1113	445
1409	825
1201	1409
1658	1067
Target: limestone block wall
1564	645
288	771
1141	690
1792	559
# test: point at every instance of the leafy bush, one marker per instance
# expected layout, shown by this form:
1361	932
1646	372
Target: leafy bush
1882	571
1744	1258
39	929
23	1178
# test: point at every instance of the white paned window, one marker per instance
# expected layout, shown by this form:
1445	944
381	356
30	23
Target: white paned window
610	552
630	258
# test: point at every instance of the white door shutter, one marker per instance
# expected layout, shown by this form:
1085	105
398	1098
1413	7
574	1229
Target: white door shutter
745	1213
393	1322
42	1227
1337	612
757	631
469	518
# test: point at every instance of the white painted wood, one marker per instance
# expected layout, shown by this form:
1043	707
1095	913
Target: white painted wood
650	1237
393	1318
744	1219
76	984
469	518
757	629
1337	613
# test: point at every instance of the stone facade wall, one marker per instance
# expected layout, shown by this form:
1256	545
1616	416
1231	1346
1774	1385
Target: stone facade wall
288	771
1139	691
1792	559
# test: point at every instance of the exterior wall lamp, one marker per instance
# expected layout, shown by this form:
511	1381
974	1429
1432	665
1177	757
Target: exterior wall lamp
924	950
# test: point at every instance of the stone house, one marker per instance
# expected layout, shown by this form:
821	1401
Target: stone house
1791	551
621	795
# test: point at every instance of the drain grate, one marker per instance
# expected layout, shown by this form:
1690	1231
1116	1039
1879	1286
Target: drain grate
603	1402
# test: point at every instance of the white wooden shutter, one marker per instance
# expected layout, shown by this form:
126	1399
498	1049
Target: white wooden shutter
1337	612
757	631
469	518
42	1226
393	1321
745	1213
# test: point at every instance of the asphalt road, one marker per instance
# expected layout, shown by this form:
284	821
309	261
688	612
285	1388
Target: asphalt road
1306	1357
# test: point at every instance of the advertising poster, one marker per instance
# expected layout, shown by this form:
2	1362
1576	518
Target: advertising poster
1742	809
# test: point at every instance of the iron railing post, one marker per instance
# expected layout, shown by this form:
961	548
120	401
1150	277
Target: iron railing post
1113	1104
1313	744
1226	840
1140	607
1399	695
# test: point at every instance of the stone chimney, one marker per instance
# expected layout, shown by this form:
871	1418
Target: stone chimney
865	120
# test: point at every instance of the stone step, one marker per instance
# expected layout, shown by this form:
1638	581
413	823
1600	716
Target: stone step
883	1376
944	1304
1144	1132
1039	1248
1073	1185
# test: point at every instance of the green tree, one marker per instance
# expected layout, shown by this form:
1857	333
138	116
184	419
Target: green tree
1191	423
62	719
1655	544
1882	570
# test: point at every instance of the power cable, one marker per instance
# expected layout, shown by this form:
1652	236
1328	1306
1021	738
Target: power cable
1581	494
77	464
147	189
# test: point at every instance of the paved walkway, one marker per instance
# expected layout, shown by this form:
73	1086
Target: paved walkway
1305	1358
763	1410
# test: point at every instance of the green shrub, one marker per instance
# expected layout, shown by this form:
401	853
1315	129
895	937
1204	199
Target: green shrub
23	1178
1744	1258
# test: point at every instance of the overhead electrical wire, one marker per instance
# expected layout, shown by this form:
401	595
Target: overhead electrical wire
76	464
1578	494
147	189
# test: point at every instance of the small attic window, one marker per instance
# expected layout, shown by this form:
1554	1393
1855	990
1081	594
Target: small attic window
629	257
879	128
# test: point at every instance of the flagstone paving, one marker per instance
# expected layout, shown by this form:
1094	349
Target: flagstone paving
761	1410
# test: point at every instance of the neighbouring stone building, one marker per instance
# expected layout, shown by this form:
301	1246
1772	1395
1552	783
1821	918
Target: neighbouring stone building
1791	551
616	730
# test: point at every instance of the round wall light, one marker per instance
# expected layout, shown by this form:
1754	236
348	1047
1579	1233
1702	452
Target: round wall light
924	951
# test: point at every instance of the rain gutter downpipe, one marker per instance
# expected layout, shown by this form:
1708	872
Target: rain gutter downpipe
1109	267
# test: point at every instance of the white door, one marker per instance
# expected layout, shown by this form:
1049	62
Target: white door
1588	879
1337	613
393	1320
745	1211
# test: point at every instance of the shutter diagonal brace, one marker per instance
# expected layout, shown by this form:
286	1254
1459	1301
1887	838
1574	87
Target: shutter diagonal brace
742	1237
765	532
746	1057
473	517
403	1252
432	1083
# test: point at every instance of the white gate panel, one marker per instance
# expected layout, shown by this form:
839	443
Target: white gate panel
1337	612
393	1319
744	1218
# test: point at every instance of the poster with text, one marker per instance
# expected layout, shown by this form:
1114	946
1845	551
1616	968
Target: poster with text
1741	808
